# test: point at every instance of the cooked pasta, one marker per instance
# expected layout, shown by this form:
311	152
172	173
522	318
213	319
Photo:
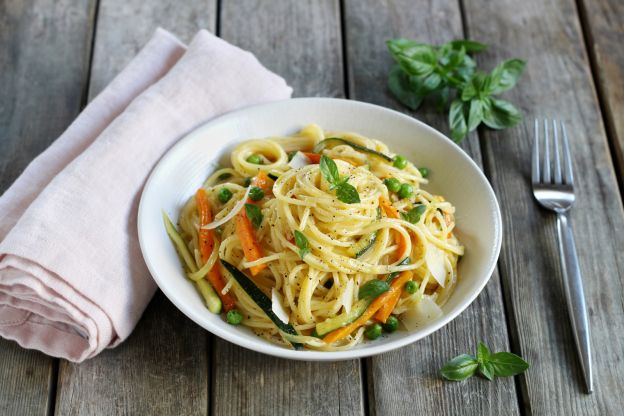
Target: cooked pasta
332	228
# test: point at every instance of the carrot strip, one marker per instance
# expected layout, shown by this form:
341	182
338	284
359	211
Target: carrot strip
396	286
384	312
247	237
315	158
206	245
262	180
392	212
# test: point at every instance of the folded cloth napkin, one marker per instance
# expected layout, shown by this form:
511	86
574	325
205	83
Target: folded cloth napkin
72	278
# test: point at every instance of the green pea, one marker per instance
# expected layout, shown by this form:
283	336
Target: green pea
405	191
234	317
399	162
424	172
392	184
373	331
224	195
247	181
255	159
411	287
392	324
256	194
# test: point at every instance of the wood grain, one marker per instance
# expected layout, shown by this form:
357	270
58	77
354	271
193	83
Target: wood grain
604	29
163	367
300	41
44	63
557	83
407	381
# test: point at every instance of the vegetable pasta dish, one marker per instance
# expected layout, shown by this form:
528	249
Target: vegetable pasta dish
319	240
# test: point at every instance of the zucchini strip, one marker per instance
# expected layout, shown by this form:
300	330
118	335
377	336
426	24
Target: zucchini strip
262	300
337	140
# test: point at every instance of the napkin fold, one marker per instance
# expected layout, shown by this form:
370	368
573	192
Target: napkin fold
72	278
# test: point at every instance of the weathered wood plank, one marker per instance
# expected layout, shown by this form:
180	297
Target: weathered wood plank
557	83
300	41
163	367
407	381
43	70
604	24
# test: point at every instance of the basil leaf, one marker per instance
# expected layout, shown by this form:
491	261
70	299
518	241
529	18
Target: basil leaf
414	58
302	243
329	170
468	92
475	114
487	369
500	114
254	214
414	214
505	75
470	46
347	193
432	81
505	364
373	288
400	86
460	368
457	121
443	97
483	353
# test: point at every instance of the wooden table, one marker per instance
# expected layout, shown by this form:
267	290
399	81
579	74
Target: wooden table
57	55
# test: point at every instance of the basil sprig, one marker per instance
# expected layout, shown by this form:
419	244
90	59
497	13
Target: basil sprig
425	70
254	214
414	214
302	243
500	364
345	192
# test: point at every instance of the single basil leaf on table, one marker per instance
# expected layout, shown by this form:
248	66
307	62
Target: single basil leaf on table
329	170
457	121
505	75
373	288
254	214
500	114
302	243
347	193
506	364
460	368
475	113
401	87
470	46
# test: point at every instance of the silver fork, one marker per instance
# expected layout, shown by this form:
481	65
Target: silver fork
556	192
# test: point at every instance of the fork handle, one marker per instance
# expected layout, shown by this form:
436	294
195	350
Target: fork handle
574	295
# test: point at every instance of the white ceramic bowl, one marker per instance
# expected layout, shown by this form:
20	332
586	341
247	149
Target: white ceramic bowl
453	174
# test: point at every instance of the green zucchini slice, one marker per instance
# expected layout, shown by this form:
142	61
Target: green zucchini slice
358	249
334	141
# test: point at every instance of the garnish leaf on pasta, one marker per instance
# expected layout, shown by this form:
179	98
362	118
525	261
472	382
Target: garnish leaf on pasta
345	192
414	214
302	243
254	214
500	364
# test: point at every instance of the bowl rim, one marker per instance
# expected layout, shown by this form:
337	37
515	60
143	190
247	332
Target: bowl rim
264	346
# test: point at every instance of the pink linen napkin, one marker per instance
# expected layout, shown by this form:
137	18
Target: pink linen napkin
72	278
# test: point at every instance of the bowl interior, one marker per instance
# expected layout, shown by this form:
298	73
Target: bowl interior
453	175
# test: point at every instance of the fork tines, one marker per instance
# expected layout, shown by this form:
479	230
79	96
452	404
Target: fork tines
557	177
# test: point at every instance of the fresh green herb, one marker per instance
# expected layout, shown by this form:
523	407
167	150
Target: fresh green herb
247	181
224	176
411	287
373	332
345	192
500	364
373	288
413	215
424	172
256	194
392	324
224	195
425	70
302	243
234	317
405	191
392	184
399	162
254	214
255	159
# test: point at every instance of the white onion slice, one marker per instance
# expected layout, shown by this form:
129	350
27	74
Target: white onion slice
424	312
436	264
299	160
239	205
347	296
278	308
